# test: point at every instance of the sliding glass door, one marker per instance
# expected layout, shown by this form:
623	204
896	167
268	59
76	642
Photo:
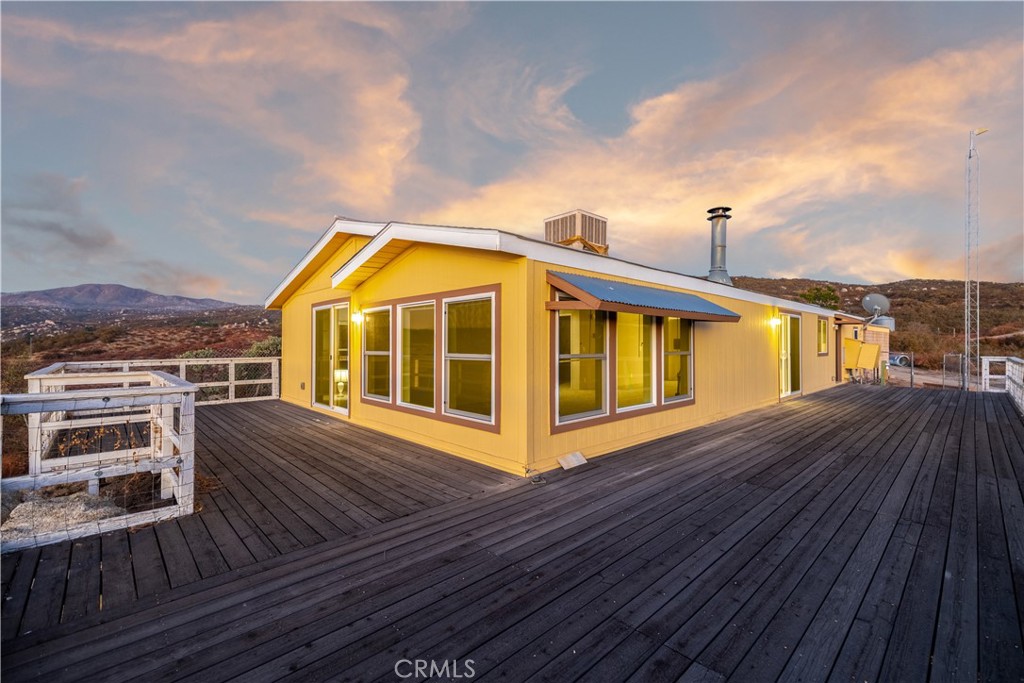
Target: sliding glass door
330	357
789	355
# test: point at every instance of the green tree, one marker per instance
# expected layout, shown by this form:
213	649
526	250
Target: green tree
199	353
271	346
825	296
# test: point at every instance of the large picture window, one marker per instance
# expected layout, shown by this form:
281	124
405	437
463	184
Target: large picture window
377	353
469	357
436	355
634	360
677	340
416	358
582	360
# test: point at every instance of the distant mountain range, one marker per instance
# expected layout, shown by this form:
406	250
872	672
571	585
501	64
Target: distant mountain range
110	298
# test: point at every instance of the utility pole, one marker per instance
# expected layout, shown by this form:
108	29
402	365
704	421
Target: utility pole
972	300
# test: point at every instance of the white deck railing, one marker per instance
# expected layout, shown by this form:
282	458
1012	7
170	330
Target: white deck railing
269	369
62	403
1010	381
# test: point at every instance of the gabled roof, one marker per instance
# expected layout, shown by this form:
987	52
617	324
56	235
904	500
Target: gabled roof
612	295
392	238
339	230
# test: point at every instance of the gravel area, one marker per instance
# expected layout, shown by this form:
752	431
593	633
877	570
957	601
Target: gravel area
40	515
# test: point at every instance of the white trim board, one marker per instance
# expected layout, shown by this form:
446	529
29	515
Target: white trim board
491	239
340	226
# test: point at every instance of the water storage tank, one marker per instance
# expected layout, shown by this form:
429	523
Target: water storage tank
885	321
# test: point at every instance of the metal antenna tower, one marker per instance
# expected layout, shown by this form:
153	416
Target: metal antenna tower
972	299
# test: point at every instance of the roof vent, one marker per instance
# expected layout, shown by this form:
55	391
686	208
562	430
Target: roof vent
578	229
718	218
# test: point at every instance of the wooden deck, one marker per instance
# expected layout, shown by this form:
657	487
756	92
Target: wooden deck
287	479
862	533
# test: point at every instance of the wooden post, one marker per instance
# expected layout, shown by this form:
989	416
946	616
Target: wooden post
167	482
186	453
275	377
35	432
231	380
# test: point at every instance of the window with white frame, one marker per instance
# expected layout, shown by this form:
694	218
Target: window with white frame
469	357
377	353
582	363
823	324
677	345
634	360
416	355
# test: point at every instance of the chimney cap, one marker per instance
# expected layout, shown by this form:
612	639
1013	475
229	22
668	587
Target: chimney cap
719	212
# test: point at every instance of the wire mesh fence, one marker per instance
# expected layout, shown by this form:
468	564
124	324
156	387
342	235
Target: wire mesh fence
106	450
96	446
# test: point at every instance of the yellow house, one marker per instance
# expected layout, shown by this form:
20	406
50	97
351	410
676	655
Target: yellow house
514	352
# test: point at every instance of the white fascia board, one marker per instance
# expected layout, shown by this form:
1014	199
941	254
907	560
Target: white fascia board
339	226
558	255
573	258
469	238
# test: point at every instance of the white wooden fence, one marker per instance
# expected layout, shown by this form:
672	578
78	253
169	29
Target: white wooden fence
59	402
270	371
1011	381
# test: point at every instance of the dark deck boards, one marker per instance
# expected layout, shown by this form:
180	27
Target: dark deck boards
287	479
862	533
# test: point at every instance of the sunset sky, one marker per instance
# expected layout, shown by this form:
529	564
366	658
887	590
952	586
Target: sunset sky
201	149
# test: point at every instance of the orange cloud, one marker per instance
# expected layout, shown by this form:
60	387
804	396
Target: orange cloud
771	140
782	138
323	84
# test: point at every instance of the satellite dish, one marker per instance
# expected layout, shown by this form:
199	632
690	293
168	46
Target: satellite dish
875	304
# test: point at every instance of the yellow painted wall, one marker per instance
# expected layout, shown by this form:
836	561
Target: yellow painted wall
736	368
819	371
422	270
297	325
736	365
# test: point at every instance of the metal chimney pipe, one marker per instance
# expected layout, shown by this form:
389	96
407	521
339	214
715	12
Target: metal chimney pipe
718	218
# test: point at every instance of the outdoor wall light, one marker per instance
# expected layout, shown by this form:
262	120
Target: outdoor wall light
357	317
776	321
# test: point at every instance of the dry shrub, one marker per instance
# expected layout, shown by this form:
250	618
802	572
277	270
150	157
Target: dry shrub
135	492
204	483
15	446
58	490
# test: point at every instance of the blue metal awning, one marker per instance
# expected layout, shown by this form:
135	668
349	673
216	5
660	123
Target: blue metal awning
609	295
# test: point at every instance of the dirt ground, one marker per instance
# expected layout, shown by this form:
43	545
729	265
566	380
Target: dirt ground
927	379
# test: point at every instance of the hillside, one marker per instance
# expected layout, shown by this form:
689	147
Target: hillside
85	297
106	322
48	313
929	313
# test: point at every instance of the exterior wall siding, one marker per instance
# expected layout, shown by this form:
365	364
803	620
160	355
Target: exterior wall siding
736	365
736	368
297	325
414	274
